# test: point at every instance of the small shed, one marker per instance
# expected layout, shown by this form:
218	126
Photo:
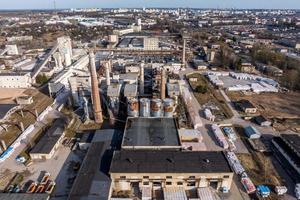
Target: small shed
252	132
262	121
247	107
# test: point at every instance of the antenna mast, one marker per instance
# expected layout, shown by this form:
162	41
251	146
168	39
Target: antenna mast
54	3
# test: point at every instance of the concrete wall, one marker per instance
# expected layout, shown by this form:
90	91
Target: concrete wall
122	181
15	81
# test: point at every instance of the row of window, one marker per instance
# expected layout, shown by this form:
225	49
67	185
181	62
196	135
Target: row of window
170	177
170	183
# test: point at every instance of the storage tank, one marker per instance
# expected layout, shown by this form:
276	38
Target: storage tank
145	107
168	107
133	107
156	108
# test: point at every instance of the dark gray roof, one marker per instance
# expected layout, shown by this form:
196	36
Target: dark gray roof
246	104
151	132
4	108
50	138
293	140
145	161
23	196
92	181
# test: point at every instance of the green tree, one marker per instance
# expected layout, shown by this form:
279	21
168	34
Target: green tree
41	79
201	89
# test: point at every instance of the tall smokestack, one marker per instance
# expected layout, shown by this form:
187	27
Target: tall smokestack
142	81
163	84
107	75
183	52
110	65
4	147
95	90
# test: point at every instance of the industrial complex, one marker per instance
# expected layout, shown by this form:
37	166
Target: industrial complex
142	104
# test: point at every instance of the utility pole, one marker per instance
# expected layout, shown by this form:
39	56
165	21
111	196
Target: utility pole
54	4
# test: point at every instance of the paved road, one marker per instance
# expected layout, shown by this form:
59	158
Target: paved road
10	163
236	191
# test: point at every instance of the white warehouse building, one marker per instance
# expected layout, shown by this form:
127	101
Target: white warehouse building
13	80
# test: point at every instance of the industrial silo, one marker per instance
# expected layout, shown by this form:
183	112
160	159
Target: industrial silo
133	107
145	107
168	105
156	108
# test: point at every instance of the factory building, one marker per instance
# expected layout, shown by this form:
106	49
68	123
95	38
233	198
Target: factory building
80	86
61	81
49	143
132	29
12	49
113	94
287	149
15	80
132	69
173	90
247	67
158	133
153	161
162	169
94	169
65	49
247	107
130	91
151	43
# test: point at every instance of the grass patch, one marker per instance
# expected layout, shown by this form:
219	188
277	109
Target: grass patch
210	96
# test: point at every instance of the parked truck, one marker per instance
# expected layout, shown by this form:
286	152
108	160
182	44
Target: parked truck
263	191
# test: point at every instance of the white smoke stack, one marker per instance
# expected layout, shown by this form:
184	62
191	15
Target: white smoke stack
68	60
107	72
183	52
142	81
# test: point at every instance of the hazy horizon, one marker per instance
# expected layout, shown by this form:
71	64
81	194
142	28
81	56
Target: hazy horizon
63	4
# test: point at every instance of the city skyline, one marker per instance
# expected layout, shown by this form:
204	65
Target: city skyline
238	4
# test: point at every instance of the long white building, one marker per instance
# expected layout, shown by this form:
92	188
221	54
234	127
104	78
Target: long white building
13	80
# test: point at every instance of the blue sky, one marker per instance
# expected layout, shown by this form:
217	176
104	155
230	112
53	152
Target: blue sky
48	4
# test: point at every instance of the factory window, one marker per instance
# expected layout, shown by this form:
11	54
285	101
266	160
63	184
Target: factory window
179	183
122	177
145	183
156	184
168	177
191	183
145	177
192	177
168	183
226	176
